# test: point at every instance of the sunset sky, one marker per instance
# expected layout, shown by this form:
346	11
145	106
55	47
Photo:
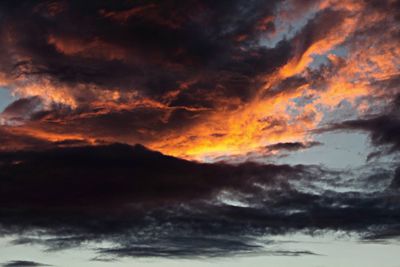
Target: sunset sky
200	133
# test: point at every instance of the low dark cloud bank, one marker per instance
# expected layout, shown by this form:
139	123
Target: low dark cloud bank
21	263
149	204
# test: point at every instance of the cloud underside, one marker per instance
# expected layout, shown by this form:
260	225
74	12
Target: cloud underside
147	204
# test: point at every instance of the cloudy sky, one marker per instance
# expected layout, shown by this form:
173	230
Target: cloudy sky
200	133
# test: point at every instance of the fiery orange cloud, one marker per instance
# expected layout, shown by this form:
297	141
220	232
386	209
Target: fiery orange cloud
226	124
48	92
28	137
50	136
262	122
247	129
337	36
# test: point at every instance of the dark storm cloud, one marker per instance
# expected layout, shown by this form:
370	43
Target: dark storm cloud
24	264
148	204
130	168
187	56
152	49
171	65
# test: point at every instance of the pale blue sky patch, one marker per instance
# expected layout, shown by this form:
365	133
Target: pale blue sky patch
285	30
339	150
5	98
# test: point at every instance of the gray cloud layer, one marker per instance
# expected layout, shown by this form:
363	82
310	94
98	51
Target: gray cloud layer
148	204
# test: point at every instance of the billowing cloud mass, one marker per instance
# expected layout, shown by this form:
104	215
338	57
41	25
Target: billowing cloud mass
207	88
195	79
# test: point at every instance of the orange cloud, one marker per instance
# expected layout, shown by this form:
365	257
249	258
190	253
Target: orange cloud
123	16
254	125
234	127
337	36
267	120
91	48
48	92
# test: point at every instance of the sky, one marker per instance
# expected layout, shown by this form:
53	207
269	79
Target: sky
199	133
